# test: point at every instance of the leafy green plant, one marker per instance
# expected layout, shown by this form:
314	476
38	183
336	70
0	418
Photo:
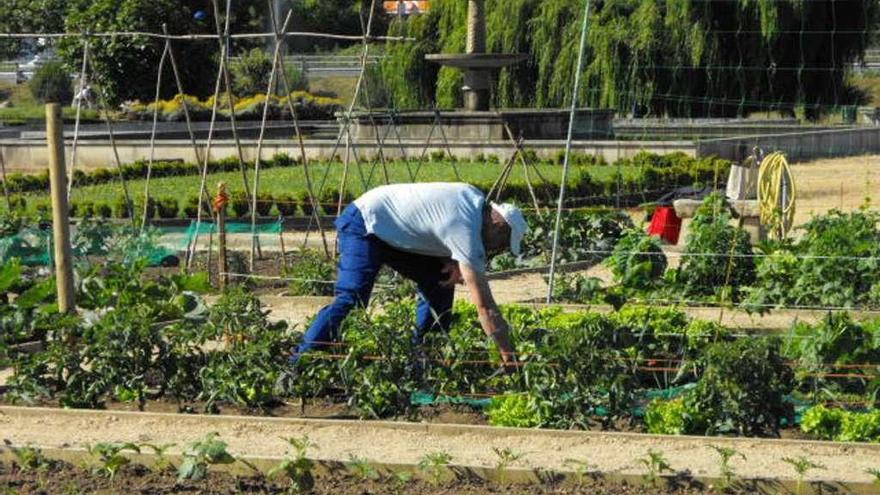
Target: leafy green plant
742	388
516	410
582	468
726	472
29	458
637	262
399	479
162	462
311	274
110	456
296	466
51	83
435	464
801	466
505	457
876	474
668	417
718	256
656	464
201	454
362	468
378	366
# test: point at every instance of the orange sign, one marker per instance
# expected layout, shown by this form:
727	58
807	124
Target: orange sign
406	7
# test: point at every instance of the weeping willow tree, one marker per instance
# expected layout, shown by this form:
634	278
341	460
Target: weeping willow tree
687	58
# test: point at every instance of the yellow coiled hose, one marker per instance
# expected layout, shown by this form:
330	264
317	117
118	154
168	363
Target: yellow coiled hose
776	195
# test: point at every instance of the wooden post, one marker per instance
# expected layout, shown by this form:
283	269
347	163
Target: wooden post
221	239
60	214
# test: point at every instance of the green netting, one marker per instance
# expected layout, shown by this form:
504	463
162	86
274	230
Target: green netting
159	246
32	246
426	398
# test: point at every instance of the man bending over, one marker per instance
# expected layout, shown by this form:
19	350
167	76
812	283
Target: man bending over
436	234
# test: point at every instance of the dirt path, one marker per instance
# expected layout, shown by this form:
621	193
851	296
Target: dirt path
841	183
407	443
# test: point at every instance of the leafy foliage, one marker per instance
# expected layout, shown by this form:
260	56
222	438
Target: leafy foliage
296	466
841	425
686	59
51	83
516	410
200	455
835	263
124	68
718	257
312	274
637	261
741	389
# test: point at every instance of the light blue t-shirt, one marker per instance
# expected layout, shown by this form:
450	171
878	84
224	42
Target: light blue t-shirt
435	219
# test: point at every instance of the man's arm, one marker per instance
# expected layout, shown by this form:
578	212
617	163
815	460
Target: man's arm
490	316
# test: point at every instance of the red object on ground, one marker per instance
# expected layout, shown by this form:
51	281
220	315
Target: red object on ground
665	224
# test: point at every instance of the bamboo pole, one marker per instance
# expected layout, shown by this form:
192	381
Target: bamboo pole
223	277
60	214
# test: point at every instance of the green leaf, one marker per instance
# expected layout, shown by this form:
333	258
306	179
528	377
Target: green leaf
10	273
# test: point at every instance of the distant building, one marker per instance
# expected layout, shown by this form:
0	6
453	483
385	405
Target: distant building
404	8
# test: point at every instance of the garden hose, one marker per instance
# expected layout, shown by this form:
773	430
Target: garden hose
776	195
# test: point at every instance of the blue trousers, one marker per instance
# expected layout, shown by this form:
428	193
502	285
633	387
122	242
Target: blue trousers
361	255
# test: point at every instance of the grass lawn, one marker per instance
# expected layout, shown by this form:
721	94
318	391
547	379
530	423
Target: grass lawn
291	180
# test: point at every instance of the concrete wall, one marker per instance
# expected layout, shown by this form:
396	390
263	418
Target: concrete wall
800	146
31	156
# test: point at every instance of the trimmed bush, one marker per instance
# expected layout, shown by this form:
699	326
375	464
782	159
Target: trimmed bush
264	204
239	204
286	205
103	210
167	207
51	83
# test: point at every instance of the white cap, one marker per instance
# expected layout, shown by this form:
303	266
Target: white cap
518	226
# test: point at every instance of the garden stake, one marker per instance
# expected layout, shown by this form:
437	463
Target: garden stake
3	179
60	213
220	202
566	165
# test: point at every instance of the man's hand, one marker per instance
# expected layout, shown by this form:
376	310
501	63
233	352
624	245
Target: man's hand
453	273
489	314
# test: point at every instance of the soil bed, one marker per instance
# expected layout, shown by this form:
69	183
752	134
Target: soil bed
405	444
65	478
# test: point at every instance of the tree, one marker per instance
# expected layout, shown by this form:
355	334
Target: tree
29	16
686	58
125	67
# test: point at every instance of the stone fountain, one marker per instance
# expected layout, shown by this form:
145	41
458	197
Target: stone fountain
476	121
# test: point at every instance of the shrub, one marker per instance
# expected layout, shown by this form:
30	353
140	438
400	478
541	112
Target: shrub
103	210
264	204
305	203
286	205
120	208
191	207
311	273
250	72
742	388
630	267
83	209
717	255
51	83
282	160
167	207
239	204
